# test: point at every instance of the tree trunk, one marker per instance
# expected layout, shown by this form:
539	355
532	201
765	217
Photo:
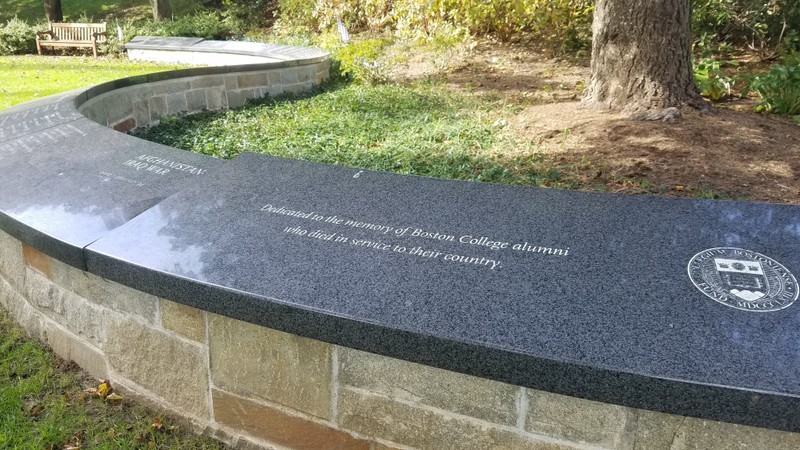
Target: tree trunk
641	56
161	9
52	10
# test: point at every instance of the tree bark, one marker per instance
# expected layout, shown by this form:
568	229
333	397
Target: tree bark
641	56
52	10
161	9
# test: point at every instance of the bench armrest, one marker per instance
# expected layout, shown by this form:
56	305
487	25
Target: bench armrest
101	33
48	32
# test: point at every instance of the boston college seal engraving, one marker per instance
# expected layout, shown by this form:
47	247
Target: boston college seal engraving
743	279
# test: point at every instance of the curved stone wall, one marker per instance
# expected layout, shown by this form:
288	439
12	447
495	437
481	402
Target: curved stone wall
172	334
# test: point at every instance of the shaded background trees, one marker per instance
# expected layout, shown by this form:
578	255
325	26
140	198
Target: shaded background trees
52	11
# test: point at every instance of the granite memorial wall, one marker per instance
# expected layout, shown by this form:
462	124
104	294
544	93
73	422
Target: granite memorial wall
281	302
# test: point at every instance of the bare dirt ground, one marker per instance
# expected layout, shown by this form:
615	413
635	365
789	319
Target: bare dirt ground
730	152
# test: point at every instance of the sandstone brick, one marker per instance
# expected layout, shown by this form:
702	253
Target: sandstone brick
69	347
106	293
471	396
12	266
158	107
169	87
252	80
176	103
289	76
71	311
667	431
577	419
216	98
230	82
125	125
277	427
293	88
37	261
118	106
168	367
95	110
187	321
207	81
324	67
306	74
236	99
378	446
275	91
26	316
254	361
376	416
274	77
196	100
141	113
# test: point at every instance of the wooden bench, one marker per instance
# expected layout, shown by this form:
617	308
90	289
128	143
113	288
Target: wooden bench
72	35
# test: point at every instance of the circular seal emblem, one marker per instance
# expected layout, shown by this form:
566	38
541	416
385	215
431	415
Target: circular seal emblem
743	279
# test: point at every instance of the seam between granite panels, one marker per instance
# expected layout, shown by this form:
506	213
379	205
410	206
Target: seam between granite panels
481	423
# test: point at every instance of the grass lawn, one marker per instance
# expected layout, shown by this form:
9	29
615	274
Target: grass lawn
24	78
44	405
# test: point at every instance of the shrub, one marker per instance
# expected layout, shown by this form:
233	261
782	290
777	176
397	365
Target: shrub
779	89
207	25
248	14
765	26
361	61
711	81
565	23
17	38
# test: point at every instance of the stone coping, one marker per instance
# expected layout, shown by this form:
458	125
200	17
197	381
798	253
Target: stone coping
208	52
595	303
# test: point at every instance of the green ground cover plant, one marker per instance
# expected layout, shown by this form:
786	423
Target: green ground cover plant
44	405
779	89
419	129
24	78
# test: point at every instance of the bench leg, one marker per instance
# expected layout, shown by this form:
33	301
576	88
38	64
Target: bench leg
38	47
94	49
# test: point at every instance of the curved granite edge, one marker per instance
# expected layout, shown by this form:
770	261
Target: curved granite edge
70	179
208	52
80	192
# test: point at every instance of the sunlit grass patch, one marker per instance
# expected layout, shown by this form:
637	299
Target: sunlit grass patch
24	78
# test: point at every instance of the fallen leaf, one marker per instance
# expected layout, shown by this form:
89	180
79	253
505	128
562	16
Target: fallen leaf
104	388
157	424
113	397
679	187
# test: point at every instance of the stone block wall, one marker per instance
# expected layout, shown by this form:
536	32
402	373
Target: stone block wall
256	387
146	104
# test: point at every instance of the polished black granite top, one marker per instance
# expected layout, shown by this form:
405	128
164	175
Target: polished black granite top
67	180
587	294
